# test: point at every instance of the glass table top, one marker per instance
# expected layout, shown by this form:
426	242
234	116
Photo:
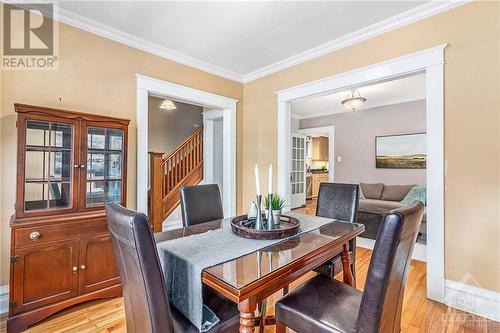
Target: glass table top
249	268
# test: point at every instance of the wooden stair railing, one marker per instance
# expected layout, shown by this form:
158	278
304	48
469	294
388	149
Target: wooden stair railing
183	166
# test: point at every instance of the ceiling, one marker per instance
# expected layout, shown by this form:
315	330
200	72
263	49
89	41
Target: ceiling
390	92
243	40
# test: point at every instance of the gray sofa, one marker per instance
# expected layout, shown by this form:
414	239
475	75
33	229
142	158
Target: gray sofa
377	200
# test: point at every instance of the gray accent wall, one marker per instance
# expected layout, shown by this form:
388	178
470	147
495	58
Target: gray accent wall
355	134
169	128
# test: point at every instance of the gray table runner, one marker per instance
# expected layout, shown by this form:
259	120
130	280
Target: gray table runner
184	259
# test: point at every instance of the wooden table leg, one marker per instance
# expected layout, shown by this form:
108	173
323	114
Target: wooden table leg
247	316
346	267
280	328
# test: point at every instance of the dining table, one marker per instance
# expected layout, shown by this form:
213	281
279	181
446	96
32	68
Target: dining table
249	279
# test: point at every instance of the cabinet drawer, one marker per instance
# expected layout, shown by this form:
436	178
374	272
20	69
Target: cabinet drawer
56	232
322	177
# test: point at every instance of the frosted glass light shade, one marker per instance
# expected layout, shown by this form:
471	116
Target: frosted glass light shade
354	101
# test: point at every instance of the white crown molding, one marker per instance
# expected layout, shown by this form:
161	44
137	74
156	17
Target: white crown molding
119	36
413	15
376	105
473	299
4	299
418	13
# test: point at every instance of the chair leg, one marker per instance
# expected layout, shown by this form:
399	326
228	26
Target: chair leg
280	328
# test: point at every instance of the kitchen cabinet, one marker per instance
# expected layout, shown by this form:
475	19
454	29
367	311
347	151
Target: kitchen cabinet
317	179
320	148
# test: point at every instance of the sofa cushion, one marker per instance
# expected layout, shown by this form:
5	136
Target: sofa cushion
381	207
372	191
395	192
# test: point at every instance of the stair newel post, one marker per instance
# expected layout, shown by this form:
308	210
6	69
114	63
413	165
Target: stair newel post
156	190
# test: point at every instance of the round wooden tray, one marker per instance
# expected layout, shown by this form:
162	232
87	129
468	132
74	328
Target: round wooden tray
243	227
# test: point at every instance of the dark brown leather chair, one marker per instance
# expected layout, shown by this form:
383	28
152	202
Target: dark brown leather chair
338	201
324	304
200	204
147	308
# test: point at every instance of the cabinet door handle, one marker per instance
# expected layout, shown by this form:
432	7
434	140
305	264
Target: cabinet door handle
83	166
34	235
76	166
82	267
75	269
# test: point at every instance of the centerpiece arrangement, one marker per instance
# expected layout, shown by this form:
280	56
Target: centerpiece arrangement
271	225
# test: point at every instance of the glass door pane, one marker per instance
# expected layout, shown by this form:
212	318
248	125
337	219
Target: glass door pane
104	166
48	168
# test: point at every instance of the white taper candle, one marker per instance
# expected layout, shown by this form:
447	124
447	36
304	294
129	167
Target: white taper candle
270	191
257	180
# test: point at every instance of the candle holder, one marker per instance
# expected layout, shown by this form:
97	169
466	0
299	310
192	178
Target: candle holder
259	225
270	218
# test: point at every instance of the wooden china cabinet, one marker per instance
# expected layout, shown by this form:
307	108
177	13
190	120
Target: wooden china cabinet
69	164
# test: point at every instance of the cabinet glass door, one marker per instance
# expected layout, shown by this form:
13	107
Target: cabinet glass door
48	171
104	166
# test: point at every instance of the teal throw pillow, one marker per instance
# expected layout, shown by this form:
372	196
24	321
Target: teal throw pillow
416	193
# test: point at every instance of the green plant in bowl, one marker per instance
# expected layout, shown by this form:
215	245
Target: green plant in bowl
277	204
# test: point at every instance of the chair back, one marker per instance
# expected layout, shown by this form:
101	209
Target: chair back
200	204
147	307
338	201
382	300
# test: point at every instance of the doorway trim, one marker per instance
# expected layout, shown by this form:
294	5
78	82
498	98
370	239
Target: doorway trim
331	146
228	155
146	86
430	61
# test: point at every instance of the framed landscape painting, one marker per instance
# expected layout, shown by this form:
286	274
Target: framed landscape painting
406	151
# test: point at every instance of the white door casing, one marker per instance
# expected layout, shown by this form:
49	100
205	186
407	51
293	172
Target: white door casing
228	152
150	86
430	61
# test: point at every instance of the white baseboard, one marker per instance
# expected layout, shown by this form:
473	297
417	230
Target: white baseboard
472	299
419	251
4	299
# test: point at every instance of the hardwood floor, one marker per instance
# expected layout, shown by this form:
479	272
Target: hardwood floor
419	313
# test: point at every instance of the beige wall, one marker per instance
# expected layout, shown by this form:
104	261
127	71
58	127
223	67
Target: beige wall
472	124
95	75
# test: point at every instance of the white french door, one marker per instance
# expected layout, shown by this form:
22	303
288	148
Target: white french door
298	171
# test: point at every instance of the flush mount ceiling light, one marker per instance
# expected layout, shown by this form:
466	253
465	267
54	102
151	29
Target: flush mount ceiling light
167	105
354	100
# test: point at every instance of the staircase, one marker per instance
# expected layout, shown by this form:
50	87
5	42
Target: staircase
183	166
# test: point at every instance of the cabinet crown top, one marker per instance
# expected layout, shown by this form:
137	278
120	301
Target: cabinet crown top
73	115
